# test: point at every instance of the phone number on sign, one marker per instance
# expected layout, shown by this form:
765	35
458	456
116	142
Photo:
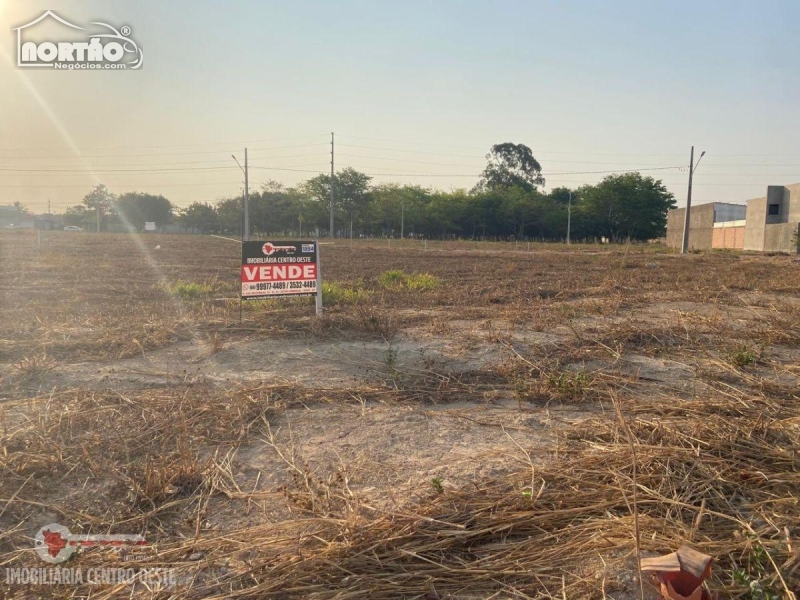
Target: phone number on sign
306	286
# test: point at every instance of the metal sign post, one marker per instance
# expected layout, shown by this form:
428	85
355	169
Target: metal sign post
319	284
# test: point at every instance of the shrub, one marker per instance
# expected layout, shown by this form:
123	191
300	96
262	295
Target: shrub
391	279
189	290
334	292
398	280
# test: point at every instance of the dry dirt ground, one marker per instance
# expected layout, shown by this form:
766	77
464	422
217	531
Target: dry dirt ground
472	439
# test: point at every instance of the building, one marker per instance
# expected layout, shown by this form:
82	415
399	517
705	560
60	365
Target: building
773	221
712	225
770	223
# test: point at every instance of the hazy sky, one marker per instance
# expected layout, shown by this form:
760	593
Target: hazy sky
415	91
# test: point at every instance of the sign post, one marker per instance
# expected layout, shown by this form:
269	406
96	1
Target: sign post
319	284
278	269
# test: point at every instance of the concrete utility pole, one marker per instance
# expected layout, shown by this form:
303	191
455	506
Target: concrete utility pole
569	216
245	199
246	236
687	216
332	186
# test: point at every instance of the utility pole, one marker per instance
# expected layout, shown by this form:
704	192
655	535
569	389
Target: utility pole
48	207
402	217
246	234
245	199
687	216
569	216
330	234
98	217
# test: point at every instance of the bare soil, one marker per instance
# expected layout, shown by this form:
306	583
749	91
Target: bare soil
128	408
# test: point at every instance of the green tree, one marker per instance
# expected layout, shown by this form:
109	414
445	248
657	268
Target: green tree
199	215
627	206
100	200
137	208
511	165
21	207
351	197
447	213
274	209
229	213
80	216
392	203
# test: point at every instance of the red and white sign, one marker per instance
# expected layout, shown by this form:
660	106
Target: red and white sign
279	269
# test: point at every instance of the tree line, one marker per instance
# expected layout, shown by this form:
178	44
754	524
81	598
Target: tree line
507	203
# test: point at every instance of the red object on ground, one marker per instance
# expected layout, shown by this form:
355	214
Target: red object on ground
681	573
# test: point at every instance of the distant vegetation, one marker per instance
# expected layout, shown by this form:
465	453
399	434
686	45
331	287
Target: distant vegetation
507	203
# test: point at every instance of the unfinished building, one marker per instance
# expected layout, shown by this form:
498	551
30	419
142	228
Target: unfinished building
770	223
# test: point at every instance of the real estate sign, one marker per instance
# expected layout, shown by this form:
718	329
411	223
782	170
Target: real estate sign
272	269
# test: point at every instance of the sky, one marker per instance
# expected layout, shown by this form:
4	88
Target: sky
415	92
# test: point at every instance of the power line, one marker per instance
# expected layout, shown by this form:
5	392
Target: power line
425	162
151	155
400	174
539	151
131	185
170	164
411	151
195	145
92	171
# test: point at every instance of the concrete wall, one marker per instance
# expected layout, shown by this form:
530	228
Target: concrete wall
781	237
675	227
793	210
701	227
754	227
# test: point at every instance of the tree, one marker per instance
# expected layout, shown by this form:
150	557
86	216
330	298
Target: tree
200	216
393	205
99	200
519	209
627	206
80	216
511	165
229	213
352	193
351	197
274	209
137	208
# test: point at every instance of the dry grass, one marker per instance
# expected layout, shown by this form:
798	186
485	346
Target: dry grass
716	463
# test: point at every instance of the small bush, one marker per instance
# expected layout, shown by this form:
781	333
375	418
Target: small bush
398	280
569	384
189	290
421	281
334	292
392	279
743	356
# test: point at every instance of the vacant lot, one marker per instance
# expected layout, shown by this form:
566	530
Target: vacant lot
466	420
